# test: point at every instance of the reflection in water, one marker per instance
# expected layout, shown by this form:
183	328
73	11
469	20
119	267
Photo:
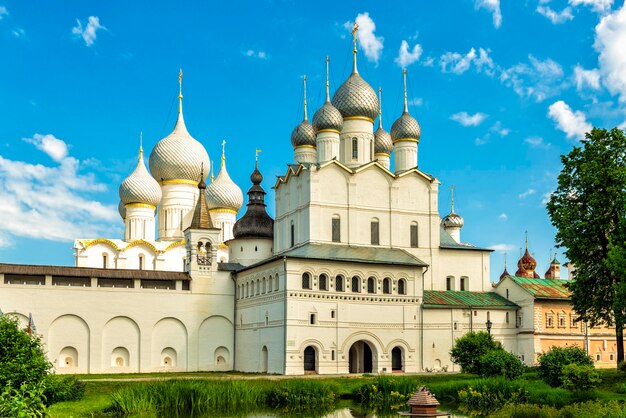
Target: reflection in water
352	412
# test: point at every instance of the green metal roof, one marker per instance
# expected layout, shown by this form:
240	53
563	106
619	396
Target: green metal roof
543	288
447	242
456	298
370	255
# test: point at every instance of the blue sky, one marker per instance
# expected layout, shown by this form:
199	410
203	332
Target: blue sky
501	90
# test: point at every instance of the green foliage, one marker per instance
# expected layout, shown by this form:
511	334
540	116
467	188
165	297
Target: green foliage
387	393
467	350
500	363
302	395
588	210
62	388
579	378
27	401
551	363
22	358
621	366
579	410
484	401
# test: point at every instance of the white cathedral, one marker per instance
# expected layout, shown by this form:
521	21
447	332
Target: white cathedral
357	272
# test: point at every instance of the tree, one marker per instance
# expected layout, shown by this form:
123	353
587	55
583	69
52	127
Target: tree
468	349
589	213
22	358
552	362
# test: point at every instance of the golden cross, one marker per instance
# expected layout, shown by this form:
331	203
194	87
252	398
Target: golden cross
355	29
256	155
223	151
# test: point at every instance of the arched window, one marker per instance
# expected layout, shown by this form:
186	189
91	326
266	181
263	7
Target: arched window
463	283
306	281
355	148
276	282
263	287
375	232
336	229
141	264
323	281
371	285
269	284
401	287
449	283
258	287
293	234
386	285
339	283
356	284
104	261
414	242
247	289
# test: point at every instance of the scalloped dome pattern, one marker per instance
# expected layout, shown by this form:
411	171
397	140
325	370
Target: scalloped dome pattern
452	220
404	127
303	134
356	98
327	117
382	141
223	193
179	156
140	187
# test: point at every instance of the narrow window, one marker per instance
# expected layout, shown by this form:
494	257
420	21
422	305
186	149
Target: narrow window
355	284
332	354
401	287
414	235
463	283
306	281
375	232
312	319
140	262
323	279
355	148
269	284
507	317
293	234
332	314
264	287
336	229
507	293
277	282
339	283
449	281
386	286
104	261
371	285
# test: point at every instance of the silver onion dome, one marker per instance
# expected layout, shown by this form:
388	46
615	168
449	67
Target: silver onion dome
121	208
355	97
223	193
452	220
405	127
382	142
179	156
303	134
327	118
140	187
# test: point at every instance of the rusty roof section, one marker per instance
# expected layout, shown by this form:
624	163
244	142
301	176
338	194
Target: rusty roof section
461	298
423	397
201	218
543	288
66	271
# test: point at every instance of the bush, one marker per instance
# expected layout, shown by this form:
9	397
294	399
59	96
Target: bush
500	363
552	362
579	378
467	350
62	388
386	392
22	358
27	401
621	366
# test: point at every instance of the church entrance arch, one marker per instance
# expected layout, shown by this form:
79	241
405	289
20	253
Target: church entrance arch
396	360
361	357
309	360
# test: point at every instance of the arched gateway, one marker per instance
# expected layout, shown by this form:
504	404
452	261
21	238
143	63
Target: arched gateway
362	357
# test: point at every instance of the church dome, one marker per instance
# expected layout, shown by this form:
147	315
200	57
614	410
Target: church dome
327	118
303	135
382	141
121	208
405	127
452	220
255	223
179	156
140	187
223	193
528	261
355	97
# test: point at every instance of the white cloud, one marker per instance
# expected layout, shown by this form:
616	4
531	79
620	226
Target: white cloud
454	62
3	12
497	128
539	80
554	16
51	202
586	78
545	198
428	62
573	123
406	56
18	32
527	193
600	6
90	32
502	248
54	147
372	45
5	241
466	119
417	101
536	142
609	42
492	6
256	54
481	141
503	217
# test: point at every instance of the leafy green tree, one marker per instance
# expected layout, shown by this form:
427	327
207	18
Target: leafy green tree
501	363
588	211
22	358
579	378
552	362
467	350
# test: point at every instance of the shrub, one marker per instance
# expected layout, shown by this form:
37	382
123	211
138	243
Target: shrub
302	395
482	401
575	377
552	362
621	366
387	393
27	401
22	358
62	388
467	350
500	363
